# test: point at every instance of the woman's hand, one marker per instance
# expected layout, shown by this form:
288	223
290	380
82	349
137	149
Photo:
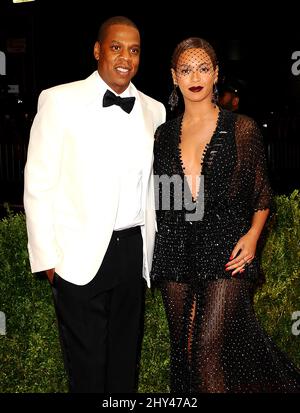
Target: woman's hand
242	254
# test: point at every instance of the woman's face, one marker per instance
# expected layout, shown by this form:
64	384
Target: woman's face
195	75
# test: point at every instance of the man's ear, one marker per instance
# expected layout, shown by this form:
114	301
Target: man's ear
97	50
235	101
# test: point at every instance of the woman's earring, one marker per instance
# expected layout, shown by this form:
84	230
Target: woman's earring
215	95
173	99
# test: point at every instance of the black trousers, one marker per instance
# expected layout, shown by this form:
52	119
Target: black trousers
100	322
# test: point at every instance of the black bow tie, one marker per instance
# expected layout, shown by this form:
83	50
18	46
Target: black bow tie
110	98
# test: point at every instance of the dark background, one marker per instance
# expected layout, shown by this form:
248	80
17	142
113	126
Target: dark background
253	45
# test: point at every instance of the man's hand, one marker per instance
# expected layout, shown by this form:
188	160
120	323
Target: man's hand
50	275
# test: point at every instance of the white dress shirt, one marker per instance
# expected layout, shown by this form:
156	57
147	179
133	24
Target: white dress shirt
131	151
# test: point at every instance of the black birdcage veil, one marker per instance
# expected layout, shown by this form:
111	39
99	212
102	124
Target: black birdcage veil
196	58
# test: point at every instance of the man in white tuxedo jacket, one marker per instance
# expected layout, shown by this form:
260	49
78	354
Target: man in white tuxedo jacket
89	203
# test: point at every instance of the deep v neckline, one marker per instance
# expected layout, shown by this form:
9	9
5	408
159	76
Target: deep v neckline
204	155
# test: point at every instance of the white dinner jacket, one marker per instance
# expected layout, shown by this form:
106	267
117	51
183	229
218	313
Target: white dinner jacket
72	179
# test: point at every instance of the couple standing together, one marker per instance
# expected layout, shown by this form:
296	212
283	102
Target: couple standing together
92	225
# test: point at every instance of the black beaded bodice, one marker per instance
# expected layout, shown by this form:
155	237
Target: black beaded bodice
235	186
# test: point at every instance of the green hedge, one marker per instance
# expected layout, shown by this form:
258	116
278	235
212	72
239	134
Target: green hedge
30	355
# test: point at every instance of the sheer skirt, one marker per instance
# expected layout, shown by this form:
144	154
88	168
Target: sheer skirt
217	343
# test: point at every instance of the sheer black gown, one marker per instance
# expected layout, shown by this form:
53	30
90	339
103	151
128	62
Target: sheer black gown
217	344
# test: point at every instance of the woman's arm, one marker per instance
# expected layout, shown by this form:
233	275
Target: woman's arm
253	153
244	251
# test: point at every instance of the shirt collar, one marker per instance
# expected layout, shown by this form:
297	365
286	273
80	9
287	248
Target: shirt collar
129	92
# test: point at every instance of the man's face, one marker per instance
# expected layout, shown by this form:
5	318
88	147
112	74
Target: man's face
118	56
229	101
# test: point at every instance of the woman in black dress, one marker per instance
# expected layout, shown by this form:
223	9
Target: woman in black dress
205	259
